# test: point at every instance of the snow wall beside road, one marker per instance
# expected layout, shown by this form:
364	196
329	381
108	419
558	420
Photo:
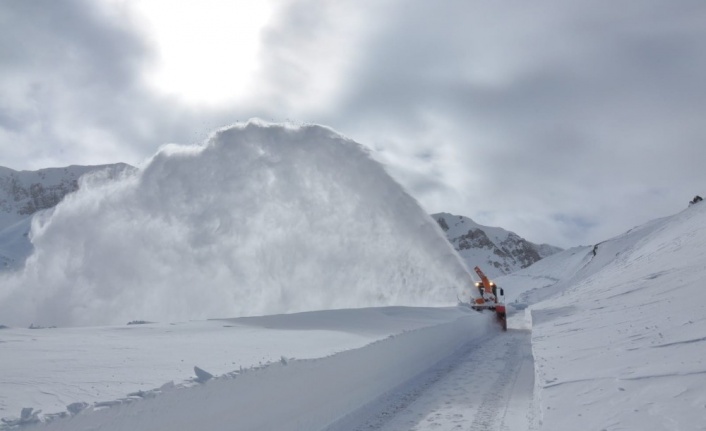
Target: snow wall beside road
622	345
304	395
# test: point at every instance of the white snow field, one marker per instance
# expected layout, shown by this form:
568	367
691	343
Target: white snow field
611	337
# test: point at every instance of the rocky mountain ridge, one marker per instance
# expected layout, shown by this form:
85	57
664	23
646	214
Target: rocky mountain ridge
496	250
24	193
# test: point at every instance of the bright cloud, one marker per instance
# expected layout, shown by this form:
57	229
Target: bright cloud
207	50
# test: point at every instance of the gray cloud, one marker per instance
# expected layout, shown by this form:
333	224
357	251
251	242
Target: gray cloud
582	114
65	70
567	122
73	88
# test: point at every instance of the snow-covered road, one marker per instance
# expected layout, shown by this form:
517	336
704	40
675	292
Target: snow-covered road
336	391
396	368
486	386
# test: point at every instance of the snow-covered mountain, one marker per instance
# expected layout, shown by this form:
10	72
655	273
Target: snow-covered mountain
496	250
616	329
617	336
24	193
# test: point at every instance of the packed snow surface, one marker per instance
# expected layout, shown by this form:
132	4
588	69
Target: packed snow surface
260	219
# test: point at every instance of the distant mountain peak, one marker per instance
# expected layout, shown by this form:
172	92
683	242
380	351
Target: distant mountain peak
494	249
24	193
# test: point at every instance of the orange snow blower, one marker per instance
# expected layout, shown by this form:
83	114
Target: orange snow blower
491	297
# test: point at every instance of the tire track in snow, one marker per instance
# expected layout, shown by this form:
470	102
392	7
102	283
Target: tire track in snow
487	416
376	417
487	387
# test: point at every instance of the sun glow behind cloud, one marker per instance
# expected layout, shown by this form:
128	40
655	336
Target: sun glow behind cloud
207	50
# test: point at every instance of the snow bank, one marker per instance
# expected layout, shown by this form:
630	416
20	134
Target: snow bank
623	346
260	219
307	394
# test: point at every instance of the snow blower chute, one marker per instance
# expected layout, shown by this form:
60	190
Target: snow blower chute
491	297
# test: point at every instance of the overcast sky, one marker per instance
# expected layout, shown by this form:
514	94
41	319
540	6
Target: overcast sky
567	122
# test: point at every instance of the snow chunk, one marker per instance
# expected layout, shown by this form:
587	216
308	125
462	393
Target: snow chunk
201	375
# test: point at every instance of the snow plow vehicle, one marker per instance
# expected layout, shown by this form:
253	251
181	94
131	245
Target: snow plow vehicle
491	298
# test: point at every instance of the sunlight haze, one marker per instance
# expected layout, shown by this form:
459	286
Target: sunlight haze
215	41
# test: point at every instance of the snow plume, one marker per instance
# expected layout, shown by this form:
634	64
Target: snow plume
260	219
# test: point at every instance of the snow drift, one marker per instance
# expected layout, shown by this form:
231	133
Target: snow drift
260	219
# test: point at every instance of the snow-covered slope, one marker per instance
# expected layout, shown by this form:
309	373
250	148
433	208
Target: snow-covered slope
496	250
620	341
24	193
